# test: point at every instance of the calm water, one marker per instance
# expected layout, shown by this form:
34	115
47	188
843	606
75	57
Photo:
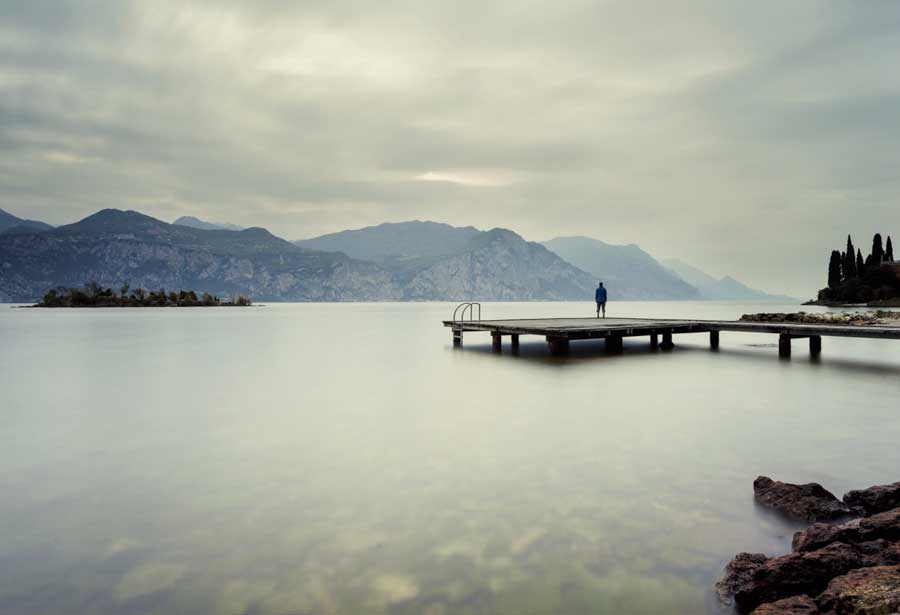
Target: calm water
346	459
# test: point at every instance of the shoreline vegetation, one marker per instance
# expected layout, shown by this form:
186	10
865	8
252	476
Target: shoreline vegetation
873	281
94	295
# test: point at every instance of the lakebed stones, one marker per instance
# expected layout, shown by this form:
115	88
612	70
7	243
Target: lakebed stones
873	500
849	568
809	502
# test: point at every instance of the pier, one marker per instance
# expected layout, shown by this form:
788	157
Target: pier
560	332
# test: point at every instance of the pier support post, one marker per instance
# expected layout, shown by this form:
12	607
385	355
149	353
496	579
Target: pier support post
784	346
654	341
457	337
714	340
667	343
558	345
496	341
815	345
614	344
514	342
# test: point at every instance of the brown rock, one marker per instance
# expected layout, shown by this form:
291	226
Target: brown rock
795	605
753	581
810	502
876	499
867	591
884	525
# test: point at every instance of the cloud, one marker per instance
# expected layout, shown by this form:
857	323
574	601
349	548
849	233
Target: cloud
703	132
482	179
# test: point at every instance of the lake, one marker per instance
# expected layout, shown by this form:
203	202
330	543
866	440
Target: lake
345	458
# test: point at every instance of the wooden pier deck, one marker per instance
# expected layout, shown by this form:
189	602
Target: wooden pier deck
558	332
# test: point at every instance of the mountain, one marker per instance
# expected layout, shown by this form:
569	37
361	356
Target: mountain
112	247
193	222
433	261
9	222
396	241
723	289
627	271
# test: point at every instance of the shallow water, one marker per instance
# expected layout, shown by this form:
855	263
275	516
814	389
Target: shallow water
321	458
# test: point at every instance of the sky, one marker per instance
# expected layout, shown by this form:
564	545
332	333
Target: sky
747	138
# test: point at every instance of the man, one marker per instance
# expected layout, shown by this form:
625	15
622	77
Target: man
600	296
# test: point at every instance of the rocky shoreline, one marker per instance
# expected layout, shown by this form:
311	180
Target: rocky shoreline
846	563
859	319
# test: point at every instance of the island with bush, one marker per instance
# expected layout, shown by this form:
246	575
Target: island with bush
93	295
854	280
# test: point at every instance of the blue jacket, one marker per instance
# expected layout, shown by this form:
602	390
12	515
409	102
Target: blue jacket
601	295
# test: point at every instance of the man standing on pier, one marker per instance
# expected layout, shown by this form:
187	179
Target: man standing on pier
600	296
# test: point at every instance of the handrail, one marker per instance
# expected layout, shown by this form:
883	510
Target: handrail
466	307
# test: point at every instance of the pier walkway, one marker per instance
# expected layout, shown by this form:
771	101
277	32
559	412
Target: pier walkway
559	332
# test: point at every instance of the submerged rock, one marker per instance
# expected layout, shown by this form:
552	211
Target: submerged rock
795	605
884	526
809	502
875	499
753	581
867	591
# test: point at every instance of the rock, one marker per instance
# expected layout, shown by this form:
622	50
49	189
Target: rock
884	525
880	553
810	502
795	605
867	591
753	581
739	574
876	499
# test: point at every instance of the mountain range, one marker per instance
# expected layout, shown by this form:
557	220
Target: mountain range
407	261
722	289
207	226
11	223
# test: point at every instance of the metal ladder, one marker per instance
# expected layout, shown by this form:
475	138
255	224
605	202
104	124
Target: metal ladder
459	316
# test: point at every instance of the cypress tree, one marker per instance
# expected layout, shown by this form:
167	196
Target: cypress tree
850	261
834	270
877	250
860	263
889	251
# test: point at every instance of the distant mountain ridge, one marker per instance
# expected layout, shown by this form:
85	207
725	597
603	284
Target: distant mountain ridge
405	261
207	226
112	247
627	271
435	261
724	289
9	222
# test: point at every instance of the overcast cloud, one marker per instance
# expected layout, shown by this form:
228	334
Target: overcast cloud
747	137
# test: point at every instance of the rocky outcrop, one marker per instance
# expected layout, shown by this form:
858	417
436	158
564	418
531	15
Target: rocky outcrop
868	591
859	319
795	605
873	500
757	582
850	568
885	526
809	502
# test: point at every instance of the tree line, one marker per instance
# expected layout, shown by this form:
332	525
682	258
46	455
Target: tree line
854	279
94	295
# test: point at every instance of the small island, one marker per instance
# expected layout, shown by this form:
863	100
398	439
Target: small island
93	295
853	280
